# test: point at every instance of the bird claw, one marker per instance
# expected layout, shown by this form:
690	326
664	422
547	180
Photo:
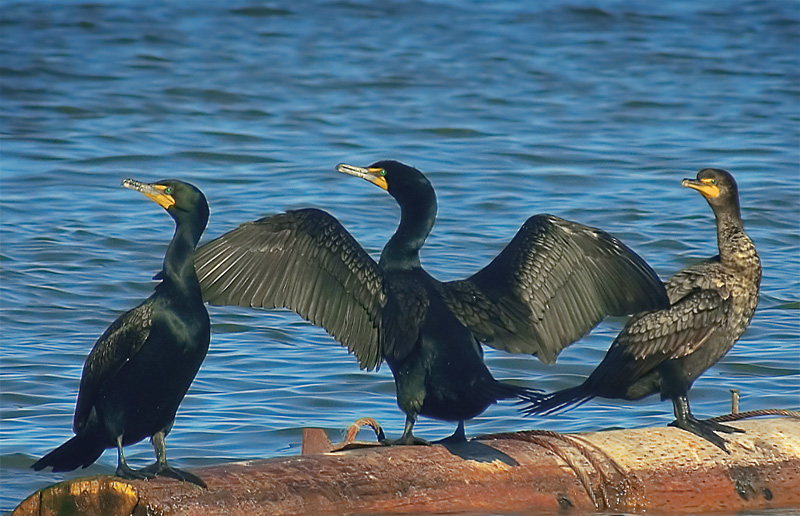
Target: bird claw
453	439
726	429
184	476
132	474
405	440
164	470
706	429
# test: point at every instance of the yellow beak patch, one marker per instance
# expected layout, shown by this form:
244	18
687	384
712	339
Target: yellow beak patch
706	187
378	177
160	196
158	193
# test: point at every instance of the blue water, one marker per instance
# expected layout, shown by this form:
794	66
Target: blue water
590	110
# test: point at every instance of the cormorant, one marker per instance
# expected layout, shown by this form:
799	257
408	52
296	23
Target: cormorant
549	286
665	351
141	367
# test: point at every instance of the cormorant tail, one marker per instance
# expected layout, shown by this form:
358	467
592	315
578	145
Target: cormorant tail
80	451
554	402
504	391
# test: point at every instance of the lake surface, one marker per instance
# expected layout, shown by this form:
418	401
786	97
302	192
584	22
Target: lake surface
592	111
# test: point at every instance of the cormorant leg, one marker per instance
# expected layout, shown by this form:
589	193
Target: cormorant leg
705	429
125	471
160	448
162	468
407	437
459	436
675	386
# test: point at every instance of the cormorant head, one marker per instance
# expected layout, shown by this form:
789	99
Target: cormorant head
406	184
717	186
184	202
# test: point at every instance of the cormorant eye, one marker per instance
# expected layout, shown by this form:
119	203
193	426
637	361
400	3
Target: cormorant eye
168	190
713	181
383	172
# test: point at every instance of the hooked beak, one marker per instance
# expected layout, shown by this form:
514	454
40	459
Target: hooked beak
376	176
705	186
154	191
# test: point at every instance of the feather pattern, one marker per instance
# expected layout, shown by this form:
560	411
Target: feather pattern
118	344
306	261
551	284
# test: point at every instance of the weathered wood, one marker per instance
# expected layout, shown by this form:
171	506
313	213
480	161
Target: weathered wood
655	470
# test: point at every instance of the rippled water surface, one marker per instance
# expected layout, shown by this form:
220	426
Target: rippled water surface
592	111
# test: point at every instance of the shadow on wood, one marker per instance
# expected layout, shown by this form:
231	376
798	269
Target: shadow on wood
657	470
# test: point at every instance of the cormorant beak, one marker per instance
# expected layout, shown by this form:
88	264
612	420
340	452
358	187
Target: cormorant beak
705	186
161	194
376	176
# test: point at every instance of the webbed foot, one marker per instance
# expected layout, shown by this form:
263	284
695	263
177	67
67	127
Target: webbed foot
726	429
124	471
158	469
408	435
405	440
458	437
706	429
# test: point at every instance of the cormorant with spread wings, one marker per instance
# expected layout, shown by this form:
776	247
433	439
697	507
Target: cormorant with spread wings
553	282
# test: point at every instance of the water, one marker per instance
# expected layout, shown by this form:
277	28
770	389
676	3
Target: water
592	111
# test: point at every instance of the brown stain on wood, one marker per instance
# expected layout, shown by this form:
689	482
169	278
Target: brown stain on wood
88	495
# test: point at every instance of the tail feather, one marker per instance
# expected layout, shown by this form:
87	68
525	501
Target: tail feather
79	452
504	391
556	401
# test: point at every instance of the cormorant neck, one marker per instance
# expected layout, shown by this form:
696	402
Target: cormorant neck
735	247
417	216
178	272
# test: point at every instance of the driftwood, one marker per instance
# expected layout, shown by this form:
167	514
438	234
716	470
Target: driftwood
657	470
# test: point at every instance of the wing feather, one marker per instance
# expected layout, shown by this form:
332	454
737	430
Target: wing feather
303	260
126	335
699	276
651	338
551	284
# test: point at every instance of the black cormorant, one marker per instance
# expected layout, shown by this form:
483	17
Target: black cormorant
549	286
141	367
665	351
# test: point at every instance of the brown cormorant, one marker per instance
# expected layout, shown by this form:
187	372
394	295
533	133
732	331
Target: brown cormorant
141	367
665	351
549	286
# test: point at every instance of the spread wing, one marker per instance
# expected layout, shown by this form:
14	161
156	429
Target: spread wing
112	350
551	284
303	260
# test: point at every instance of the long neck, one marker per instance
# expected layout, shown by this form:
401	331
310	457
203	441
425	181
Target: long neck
735	247
179	273
416	221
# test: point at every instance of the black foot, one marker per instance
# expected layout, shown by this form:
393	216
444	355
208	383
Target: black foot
458	437
132	474
706	429
162	470
184	476
408	435
453	439
725	429
405	440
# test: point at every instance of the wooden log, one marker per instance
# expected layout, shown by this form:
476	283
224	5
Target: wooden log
661	470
